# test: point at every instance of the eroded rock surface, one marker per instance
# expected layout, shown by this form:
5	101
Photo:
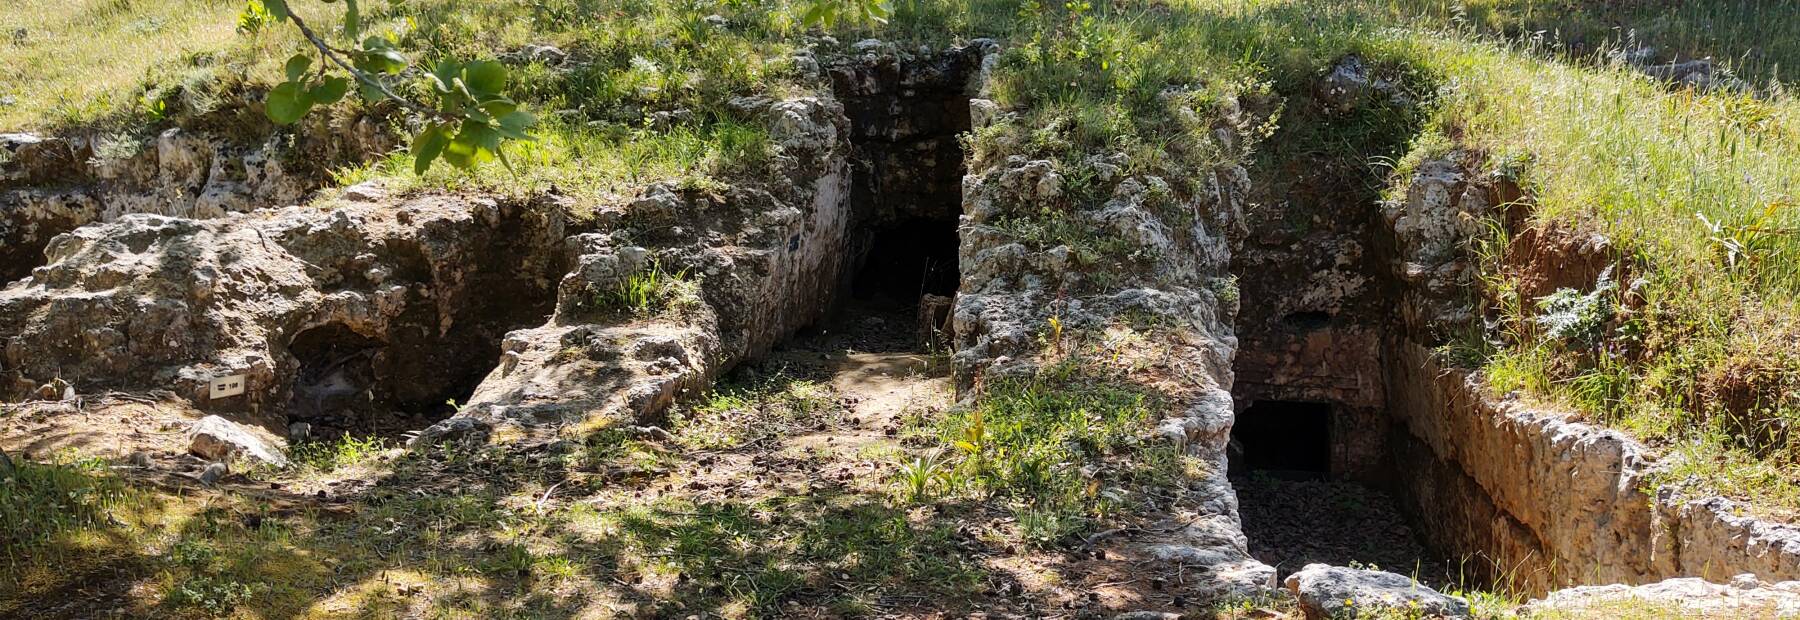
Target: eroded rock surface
1553	500
1688	597
50	185
762	262
401	297
1177	270
221	440
1334	592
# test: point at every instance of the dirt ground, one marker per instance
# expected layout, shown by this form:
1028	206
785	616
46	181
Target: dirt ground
778	495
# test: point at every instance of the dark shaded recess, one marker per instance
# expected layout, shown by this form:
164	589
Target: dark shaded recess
336	372
1307	320
907	260
403	379
20	253
906	121
1285	439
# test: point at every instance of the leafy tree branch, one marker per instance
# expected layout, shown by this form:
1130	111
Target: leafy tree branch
467	121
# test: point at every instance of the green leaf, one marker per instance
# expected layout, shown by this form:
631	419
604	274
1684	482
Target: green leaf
287	102
504	161
485	77
816	15
498	107
474	143
352	19
513	124
427	146
329	90
386	61
444	76
297	66
379	56
877	11
277	9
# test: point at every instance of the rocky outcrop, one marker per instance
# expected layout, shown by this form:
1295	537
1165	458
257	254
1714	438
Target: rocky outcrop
757	263
1352	83
763	260
1688	597
1444	207
50	185
390	303
1333	592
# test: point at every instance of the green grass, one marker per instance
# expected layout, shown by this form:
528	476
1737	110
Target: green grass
1756	38
1061	449
738	414
68	62
48	508
331	454
1694	191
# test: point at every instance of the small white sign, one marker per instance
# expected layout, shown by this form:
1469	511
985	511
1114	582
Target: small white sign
227	386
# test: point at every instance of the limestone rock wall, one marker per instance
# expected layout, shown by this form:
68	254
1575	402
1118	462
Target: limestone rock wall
1531	495
764	262
155	302
1555	502
52	184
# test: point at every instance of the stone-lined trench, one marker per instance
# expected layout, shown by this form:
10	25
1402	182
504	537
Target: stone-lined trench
897	267
1323	467
906	121
1355	442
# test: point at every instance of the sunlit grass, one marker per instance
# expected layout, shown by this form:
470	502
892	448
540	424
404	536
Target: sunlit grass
1760	39
76	61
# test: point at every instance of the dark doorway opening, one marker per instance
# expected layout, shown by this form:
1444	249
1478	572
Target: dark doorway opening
907	261
907	116
352	383
1284	439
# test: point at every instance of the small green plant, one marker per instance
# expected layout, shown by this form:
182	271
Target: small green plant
827	13
345	451
1575	317
919	475
213	595
974	440
1049	525
646	291
637	291
253	18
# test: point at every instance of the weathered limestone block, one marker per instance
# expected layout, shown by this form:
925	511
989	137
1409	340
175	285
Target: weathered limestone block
763	261
1334	592
51	185
156	302
1548	500
1012	287
1687	597
218	439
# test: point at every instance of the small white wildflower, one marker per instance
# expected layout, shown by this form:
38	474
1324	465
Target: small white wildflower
644	65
